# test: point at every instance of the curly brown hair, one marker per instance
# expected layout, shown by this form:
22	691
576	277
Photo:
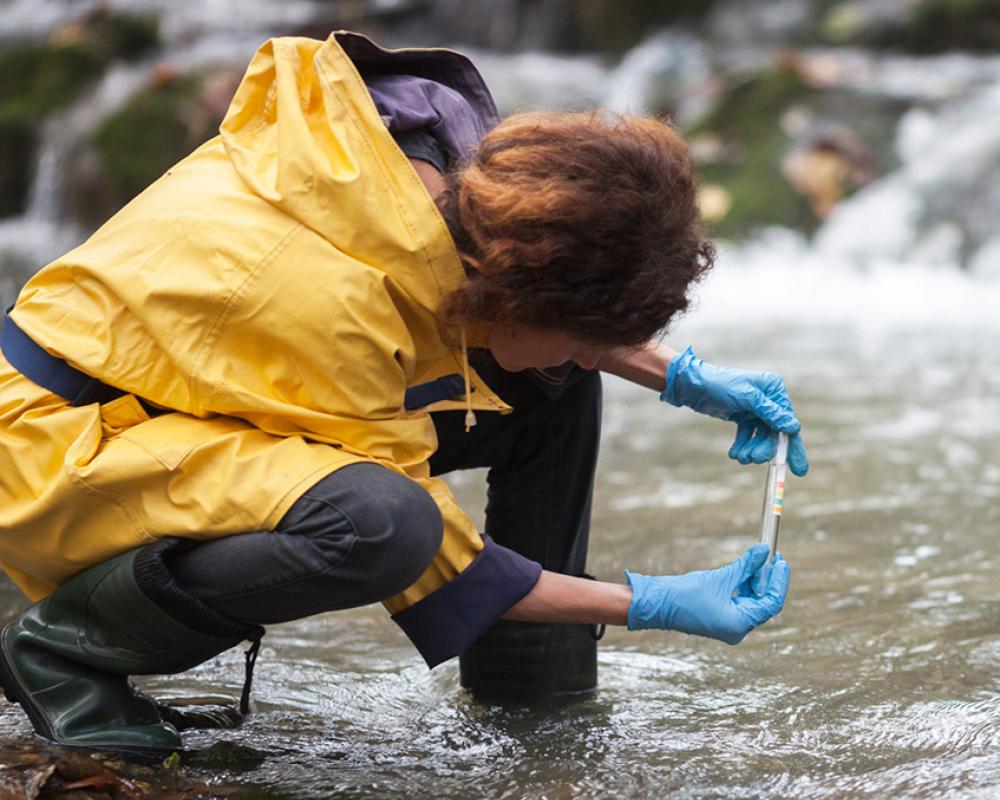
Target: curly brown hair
582	222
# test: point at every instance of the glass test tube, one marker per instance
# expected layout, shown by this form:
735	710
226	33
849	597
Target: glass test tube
770	518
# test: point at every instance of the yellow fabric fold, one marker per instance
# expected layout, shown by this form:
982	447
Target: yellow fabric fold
278	288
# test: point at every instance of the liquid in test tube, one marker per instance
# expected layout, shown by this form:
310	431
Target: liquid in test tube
770	518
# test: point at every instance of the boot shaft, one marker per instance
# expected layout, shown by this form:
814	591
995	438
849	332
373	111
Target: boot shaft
67	659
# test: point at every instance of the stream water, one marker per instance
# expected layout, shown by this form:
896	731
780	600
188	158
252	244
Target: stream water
880	679
882	676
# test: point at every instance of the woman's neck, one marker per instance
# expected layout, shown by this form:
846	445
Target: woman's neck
433	180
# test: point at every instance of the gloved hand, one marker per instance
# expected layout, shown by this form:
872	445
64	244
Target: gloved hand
756	401
717	603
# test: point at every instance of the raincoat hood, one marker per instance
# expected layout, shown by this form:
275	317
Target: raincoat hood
304	134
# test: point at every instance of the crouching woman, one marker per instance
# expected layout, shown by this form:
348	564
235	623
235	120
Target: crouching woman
231	406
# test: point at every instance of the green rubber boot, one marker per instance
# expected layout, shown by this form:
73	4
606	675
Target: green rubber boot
66	660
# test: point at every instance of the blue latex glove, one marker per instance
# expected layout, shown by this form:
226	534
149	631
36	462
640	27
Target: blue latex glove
718	603
756	401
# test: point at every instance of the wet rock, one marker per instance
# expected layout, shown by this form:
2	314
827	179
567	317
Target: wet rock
613	27
34	81
50	773
106	783
827	164
200	714
774	143
568	26
109	35
228	756
914	26
855	20
17	143
24	783
750	149
767	23
140	141
77	766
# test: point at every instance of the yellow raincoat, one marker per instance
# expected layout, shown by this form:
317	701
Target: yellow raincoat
277	289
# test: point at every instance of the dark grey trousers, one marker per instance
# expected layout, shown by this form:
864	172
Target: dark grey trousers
365	533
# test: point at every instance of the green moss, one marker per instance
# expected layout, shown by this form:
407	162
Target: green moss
126	36
751	108
37	80
140	141
748	124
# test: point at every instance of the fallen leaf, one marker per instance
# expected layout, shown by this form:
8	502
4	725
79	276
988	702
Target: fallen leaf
24	783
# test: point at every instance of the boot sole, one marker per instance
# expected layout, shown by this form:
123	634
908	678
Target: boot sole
14	693
135	755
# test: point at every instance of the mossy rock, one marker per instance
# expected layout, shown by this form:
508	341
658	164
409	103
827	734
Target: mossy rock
148	135
35	81
39	79
747	121
124	36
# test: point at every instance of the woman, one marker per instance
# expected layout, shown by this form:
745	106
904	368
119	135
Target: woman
228	407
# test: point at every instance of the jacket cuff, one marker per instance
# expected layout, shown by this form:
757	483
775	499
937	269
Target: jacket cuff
676	366
450	619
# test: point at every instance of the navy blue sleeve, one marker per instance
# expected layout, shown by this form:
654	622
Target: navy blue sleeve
447	621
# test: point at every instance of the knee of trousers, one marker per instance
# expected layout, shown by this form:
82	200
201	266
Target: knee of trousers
395	526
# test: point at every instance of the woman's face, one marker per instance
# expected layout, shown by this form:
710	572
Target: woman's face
517	347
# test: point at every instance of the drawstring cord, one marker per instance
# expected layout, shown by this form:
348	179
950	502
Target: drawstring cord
251	656
470	416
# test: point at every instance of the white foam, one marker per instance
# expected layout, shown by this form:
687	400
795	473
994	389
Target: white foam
780	278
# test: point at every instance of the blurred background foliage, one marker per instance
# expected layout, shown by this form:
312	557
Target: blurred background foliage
98	99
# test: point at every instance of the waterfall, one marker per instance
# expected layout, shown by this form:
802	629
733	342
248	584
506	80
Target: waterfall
940	207
936	211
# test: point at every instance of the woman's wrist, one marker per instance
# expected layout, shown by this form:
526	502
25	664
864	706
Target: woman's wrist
646	366
565	598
